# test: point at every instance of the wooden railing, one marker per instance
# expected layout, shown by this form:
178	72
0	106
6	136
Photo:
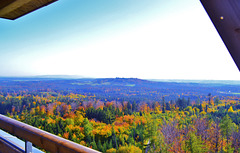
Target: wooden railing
40	138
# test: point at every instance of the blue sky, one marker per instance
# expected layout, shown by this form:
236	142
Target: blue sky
154	39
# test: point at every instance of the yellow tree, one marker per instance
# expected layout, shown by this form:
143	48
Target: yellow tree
230	110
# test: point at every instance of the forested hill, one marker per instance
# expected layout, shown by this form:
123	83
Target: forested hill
130	89
116	115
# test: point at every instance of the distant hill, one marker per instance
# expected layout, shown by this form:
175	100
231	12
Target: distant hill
115	82
230	82
130	89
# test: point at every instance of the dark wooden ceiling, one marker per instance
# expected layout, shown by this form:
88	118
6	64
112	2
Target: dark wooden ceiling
13	9
225	15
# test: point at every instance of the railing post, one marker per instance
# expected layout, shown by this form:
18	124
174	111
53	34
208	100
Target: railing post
28	147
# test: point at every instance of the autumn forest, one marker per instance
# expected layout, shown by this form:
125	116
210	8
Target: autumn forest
119	115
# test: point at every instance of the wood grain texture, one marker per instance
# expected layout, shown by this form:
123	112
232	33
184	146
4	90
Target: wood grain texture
13	9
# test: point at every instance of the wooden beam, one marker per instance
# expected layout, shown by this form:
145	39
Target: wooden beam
225	15
4	3
7	148
13	9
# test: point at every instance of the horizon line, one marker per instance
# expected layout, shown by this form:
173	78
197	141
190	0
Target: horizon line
88	77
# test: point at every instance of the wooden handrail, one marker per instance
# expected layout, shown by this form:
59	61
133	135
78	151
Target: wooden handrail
40	138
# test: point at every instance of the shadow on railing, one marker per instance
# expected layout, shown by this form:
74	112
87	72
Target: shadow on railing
40	138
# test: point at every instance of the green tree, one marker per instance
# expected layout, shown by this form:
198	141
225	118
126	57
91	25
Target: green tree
163	105
94	145
104	146
195	144
114	139
130	140
216	101
99	145
209	98
110	145
227	127
134	106
69	121
109	118
129	108
168	106
87	130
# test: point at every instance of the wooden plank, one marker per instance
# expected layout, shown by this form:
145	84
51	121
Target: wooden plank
13	9
4	3
225	15
7	148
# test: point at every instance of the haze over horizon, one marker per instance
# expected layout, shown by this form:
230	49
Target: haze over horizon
154	39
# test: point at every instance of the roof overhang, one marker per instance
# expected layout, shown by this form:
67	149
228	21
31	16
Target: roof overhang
13	9
225	15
